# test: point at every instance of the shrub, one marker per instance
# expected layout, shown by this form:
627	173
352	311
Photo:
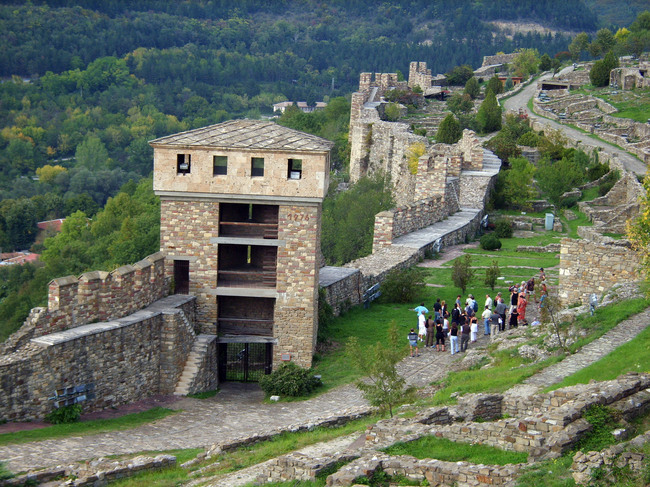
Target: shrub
290	380
490	242
569	201
65	414
402	285
503	229
529	139
597	171
604	187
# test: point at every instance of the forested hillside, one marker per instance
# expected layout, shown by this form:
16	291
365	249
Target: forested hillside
87	84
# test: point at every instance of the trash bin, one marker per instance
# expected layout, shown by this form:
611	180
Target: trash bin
549	221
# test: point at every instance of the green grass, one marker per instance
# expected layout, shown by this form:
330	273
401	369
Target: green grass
506	370
168	477
247	456
633	356
87	427
450	451
604	319
572	225
551	473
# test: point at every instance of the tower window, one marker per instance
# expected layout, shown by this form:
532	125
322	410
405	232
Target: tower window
257	166
219	165
183	163
295	168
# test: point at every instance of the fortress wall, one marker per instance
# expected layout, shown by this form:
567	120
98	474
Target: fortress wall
122	361
592	267
102	296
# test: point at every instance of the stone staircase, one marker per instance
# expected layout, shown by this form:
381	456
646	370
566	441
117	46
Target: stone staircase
191	369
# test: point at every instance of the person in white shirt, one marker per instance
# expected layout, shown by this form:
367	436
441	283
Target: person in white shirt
486	319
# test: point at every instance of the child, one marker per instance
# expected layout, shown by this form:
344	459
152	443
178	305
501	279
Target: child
413	342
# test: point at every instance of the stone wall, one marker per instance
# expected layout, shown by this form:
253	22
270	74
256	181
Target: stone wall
102	296
498	59
590	267
106	354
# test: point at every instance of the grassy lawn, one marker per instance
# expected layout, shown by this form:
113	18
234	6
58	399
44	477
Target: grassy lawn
450	451
87	427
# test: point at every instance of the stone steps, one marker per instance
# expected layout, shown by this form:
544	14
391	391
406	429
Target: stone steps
192	366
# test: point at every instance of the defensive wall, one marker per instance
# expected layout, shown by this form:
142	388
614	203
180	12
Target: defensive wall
597	262
96	332
100	364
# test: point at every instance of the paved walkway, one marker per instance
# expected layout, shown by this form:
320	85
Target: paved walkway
624	332
237	412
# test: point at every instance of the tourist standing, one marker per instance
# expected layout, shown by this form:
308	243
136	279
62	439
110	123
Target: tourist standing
413	342
422	327
464	336
488	302
431	328
440	337
436	309
473	328
521	309
494	325
453	337
486	320
501	311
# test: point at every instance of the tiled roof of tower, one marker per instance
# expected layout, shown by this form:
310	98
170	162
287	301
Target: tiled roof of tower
246	134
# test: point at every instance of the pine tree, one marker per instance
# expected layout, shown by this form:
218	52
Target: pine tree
472	88
489	114
449	131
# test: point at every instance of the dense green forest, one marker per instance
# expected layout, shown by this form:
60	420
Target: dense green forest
87	84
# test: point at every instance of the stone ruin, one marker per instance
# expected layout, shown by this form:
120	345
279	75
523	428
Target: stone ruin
543	425
598	262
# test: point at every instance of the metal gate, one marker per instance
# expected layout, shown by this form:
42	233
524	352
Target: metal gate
244	362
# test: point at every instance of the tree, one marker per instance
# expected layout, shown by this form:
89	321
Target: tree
460	103
489	114
382	386
491	274
47	174
449	131
604	42
472	88
494	85
392	112
599	74
545	62
526	62
413	154
92	153
20	221
402	285
579	44
459	75
516	184
462	272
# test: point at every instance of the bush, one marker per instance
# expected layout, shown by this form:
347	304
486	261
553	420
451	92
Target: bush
597	171
402	285
569	202
529	139
604	187
503	229
289	380
65	414
490	242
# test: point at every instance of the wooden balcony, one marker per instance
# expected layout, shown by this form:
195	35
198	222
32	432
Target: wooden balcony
248	230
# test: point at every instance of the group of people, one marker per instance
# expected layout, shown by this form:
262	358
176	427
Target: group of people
460	324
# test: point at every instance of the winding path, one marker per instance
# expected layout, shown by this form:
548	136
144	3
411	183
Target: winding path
520	101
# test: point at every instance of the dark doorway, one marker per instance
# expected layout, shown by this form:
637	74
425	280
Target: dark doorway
181	277
244	362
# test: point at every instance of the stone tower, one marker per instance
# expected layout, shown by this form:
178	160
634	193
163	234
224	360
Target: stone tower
240	226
